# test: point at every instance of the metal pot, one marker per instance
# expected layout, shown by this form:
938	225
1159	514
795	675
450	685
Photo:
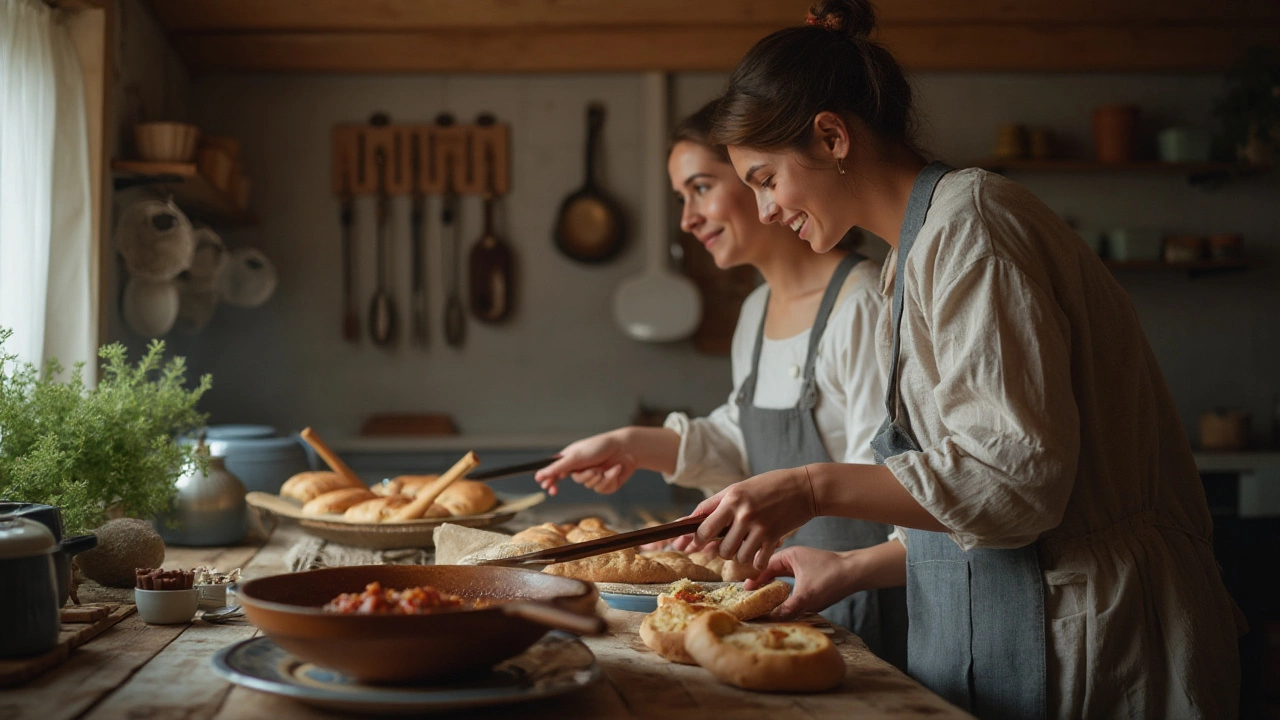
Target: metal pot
29	619
209	509
51	517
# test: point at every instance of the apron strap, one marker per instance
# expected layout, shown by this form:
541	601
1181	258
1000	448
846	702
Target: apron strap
912	221
808	394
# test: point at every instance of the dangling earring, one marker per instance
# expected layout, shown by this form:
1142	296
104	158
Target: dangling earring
840	165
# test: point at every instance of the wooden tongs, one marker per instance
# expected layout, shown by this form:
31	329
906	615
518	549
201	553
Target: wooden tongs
600	546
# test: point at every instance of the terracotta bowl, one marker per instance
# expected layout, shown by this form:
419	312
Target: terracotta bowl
416	648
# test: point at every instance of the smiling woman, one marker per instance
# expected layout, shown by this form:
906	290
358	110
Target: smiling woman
806	386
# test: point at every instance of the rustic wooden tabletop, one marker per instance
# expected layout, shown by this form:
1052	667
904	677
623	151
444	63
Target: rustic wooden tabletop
137	670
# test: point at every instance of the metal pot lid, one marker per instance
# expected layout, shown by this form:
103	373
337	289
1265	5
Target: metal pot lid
20	538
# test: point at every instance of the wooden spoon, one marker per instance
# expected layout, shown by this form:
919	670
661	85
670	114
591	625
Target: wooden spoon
428	494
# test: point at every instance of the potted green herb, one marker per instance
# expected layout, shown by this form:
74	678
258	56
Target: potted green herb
1250	107
95	451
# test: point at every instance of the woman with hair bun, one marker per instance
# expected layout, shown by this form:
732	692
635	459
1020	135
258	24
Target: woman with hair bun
1058	556
806	383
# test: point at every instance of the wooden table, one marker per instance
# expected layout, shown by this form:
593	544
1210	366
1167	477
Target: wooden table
137	670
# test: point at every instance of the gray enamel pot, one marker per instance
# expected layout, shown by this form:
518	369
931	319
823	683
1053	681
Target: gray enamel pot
29	619
51	517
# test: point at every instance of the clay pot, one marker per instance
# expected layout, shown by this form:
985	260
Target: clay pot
1115	131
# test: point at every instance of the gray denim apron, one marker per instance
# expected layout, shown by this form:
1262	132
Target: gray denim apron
977	632
789	438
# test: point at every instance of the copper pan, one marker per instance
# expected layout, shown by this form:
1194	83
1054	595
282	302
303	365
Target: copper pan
407	648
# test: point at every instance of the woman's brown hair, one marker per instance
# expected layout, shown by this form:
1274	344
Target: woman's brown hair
696	129
829	64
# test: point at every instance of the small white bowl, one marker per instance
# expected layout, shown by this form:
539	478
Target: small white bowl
166	607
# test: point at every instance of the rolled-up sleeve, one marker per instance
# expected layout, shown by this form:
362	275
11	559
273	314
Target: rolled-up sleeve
1005	468
712	454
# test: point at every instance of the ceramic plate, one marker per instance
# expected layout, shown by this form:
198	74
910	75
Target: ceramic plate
640	598
556	664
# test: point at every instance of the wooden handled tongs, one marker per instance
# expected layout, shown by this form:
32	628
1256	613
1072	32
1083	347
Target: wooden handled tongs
600	546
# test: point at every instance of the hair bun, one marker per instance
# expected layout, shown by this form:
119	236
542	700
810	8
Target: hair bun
855	18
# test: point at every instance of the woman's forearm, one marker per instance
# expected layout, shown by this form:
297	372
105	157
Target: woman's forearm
654	448
879	566
866	492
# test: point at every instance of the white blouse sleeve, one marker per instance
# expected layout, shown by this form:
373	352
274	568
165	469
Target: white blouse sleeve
1004	471
860	375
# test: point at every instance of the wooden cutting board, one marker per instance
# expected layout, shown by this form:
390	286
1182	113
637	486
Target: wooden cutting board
79	625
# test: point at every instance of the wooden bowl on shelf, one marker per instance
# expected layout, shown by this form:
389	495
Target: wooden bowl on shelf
166	141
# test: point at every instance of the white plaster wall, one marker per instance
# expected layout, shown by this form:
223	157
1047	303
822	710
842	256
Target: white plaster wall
560	365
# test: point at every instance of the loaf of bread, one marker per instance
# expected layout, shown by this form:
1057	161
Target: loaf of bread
337	501
734	599
623	566
307	486
378	509
778	658
662	630
682	565
467	497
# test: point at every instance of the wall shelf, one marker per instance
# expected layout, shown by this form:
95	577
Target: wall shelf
1194	268
191	191
1210	173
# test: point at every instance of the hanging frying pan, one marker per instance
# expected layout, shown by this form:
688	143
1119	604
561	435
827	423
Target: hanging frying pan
491	259
590	227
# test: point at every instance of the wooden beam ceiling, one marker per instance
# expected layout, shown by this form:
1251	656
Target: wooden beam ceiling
632	35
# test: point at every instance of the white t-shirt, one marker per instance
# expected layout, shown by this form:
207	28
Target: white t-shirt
850	404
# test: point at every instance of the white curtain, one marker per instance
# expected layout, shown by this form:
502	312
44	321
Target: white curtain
46	240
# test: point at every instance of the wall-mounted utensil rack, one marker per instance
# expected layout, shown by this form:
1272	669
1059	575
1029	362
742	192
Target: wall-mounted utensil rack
420	155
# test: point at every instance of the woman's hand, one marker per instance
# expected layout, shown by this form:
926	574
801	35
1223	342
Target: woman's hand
823	578
755	514
601	462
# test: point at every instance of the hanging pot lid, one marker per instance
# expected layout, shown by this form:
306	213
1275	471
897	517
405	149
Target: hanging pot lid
20	538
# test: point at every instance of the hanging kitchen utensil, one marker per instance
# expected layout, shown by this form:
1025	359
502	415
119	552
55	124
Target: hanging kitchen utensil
418	240
590	227
350	316
150	307
156	240
658	305
382	311
455	321
249	280
492	265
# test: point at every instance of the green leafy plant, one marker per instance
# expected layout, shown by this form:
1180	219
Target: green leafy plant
1249	108
110	448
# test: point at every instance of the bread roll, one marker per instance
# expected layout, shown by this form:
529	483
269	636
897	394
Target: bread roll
407	485
589	529
545	536
734	599
780	658
376	510
662	630
337	501
307	486
467	497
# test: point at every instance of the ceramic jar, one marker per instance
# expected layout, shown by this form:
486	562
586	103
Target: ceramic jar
258	456
29	619
1115	132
